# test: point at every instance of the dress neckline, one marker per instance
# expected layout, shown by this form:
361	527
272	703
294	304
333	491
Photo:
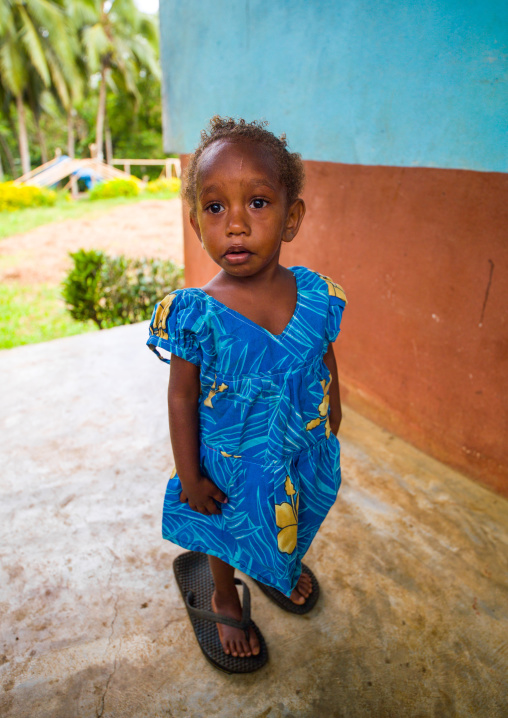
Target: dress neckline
243	318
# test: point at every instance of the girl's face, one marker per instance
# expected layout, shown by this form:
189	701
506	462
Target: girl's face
241	213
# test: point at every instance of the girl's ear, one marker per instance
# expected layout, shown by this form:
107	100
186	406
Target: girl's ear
195	225
296	213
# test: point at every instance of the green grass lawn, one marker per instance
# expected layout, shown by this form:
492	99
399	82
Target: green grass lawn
22	220
35	314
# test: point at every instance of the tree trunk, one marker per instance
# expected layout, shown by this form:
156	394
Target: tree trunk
8	154
109	145
70	133
23	136
42	142
101	112
1	170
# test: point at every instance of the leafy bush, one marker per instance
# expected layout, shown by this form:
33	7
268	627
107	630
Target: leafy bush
17	196
171	184
115	188
117	290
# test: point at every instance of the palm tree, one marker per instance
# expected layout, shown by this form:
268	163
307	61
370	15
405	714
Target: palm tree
75	78
118	45
34	43
7	127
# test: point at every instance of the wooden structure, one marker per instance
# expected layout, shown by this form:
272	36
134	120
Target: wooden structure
171	165
61	167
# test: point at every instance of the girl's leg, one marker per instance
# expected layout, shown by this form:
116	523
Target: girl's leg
225	600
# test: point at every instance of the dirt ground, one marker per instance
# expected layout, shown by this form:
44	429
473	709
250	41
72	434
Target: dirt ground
151	228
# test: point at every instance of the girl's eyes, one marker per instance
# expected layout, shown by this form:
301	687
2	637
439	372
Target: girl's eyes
258	203
215	208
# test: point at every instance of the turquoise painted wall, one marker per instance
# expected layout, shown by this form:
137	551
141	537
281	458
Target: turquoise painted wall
373	82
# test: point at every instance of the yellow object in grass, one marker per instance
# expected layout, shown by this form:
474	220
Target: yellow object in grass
19	196
170	184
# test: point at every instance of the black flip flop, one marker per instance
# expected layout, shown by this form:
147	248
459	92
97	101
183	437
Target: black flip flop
196	585
284	602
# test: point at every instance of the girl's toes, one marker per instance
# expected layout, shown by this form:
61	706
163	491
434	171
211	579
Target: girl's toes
246	648
305	585
254	644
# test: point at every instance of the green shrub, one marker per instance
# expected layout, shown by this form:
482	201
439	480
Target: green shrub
115	188
18	196
171	184
117	290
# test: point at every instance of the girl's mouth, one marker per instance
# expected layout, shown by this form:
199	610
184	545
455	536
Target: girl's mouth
236	254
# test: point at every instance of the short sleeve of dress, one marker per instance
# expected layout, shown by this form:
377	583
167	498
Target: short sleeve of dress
336	304
177	327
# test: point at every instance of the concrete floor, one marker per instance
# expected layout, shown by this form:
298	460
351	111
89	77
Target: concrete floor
412	561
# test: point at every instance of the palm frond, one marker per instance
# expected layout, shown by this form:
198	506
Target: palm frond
59	81
96	44
32	44
14	67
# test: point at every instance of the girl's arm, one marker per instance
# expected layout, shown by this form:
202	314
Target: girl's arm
335	407
183	395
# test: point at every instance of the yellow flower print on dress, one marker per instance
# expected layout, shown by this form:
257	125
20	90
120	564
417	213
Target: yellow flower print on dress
334	290
322	409
213	391
286	518
161	317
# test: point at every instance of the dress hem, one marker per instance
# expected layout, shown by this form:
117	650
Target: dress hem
234	563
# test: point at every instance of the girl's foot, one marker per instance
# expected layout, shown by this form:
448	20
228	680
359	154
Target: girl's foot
302	590
233	640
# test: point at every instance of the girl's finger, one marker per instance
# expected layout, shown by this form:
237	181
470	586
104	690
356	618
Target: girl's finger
219	496
203	510
183	498
212	507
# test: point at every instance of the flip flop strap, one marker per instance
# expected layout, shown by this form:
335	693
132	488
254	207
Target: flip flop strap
243	625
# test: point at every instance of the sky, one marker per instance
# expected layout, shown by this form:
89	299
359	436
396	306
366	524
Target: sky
147	5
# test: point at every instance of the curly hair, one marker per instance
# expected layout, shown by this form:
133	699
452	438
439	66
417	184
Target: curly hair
289	164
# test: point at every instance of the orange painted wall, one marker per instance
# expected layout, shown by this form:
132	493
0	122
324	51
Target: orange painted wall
423	257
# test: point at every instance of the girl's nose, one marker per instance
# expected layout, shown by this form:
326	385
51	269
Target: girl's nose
238	222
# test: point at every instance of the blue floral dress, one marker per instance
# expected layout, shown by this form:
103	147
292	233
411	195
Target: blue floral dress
265	436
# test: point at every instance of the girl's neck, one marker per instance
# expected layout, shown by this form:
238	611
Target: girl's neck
267	298
269	276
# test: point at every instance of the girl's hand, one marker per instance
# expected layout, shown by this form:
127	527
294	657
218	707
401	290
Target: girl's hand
183	395
201	496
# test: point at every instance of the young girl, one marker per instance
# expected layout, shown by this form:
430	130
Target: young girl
253	396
